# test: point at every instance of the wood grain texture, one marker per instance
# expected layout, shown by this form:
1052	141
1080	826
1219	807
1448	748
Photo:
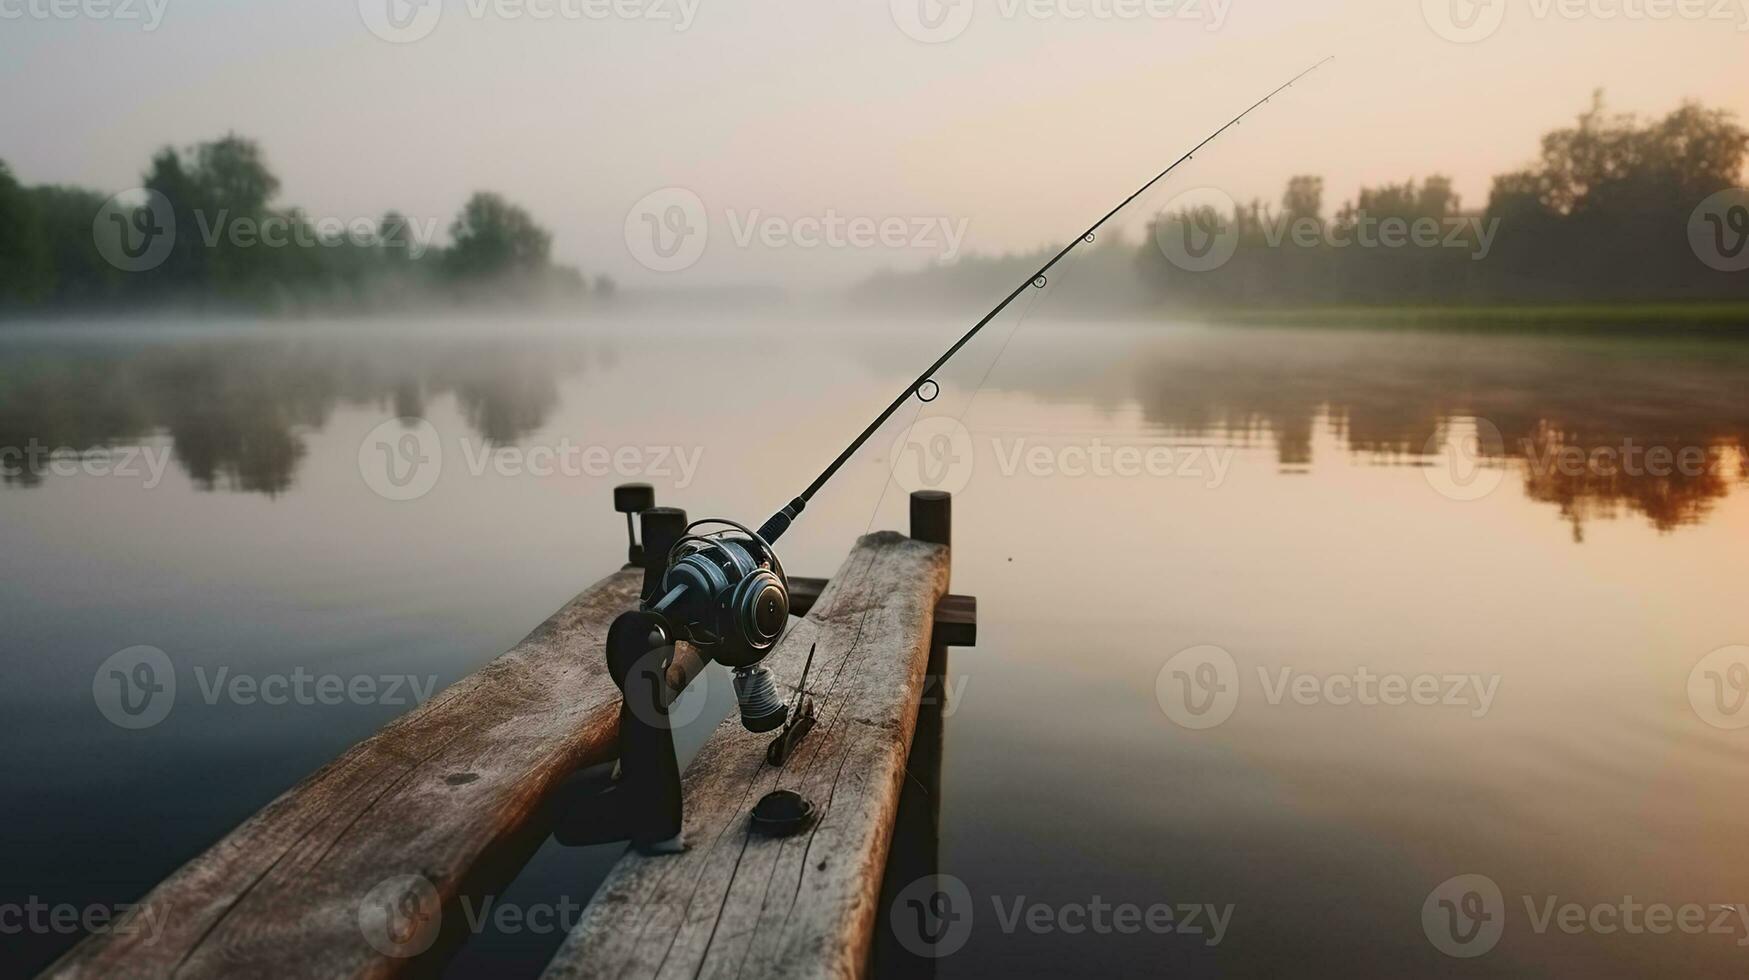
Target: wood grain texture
448	792
738	905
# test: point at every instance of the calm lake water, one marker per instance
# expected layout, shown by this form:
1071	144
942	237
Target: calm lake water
1295	624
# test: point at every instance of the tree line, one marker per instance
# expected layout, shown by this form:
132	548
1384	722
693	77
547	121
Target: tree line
210	234
1604	214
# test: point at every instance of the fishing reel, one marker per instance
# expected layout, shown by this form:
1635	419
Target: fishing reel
727	590
720	587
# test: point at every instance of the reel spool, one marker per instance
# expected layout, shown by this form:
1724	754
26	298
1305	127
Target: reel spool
725	591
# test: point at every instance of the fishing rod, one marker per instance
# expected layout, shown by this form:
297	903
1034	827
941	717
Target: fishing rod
774	528
720	586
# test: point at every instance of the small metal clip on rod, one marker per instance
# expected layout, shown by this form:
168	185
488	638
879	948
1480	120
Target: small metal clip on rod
774	528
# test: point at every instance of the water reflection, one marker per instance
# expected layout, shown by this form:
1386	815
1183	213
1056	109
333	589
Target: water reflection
1594	426
234	411
1581	421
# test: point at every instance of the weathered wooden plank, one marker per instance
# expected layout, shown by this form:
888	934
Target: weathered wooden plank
956	616
735	904
450	792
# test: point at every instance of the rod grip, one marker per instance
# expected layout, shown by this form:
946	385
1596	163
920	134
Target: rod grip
773	529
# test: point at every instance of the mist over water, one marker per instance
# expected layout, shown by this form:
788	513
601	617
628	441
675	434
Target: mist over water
1322	502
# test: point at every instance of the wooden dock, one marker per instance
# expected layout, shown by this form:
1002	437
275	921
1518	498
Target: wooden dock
360	870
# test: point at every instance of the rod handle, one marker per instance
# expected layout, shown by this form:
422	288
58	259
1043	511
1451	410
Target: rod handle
773	529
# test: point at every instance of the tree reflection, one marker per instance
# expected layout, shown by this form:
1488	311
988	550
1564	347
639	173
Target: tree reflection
236	412
1595	426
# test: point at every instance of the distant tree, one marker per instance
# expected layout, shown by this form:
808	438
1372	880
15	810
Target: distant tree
212	188
1304	198
494	238
77	272
1614	164
396	236
25	272
233	174
1437	198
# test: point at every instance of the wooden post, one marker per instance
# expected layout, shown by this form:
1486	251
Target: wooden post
916	849
632	499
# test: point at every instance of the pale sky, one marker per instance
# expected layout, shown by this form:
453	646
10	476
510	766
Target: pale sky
1023	125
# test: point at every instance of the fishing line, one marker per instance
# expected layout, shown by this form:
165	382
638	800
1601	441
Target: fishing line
1039	281
779	522
904	443
1074	264
725	590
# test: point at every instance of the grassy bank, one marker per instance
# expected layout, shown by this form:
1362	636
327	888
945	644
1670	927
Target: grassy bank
1724	318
